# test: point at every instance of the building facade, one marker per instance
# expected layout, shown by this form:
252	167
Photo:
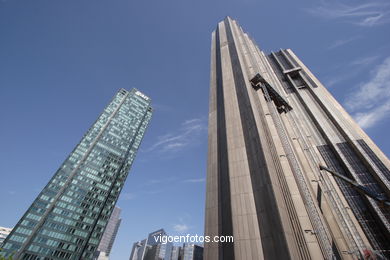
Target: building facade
4	232
69	216
109	235
271	124
175	252
138	250
152	248
191	251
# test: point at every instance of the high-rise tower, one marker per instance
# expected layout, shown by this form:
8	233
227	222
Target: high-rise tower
109	235
69	216
271	124
152	247
4	232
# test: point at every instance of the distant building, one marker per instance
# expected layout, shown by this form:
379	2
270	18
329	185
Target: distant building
4	233
175	252
138	250
154	249
197	253
100	255
191	252
109	235
151	248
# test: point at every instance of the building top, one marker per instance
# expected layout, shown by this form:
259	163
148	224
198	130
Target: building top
137	92
4	232
5	229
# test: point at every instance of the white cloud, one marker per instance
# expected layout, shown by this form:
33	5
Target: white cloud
161	107
188	133
155	181
180	227
370	103
342	42
195	180
358	65
364	61
127	196
370	118
164	181
334	80
192	121
153	192
368	14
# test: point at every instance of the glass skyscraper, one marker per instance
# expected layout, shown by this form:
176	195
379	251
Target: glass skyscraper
69	216
191	252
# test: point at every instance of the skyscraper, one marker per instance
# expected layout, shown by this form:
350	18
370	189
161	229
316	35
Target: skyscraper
191	252
4	232
152	248
109	235
175	253
271	124
68	218
137	252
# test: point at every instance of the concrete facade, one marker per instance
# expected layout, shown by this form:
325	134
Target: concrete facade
271	124
109	235
4	232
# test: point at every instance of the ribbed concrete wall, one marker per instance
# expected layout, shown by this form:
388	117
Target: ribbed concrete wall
264	186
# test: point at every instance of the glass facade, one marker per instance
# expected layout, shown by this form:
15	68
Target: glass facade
188	251
191	252
69	216
175	252
152	248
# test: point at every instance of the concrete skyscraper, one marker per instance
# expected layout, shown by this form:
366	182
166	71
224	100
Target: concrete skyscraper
271	124
109	235
69	216
4	232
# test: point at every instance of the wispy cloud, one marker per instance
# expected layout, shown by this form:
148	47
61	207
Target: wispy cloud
180	227
370	103
370	118
163	181
364	61
335	80
154	181
154	191
355	67
195	180
366	14
127	196
161	107
188	133
341	42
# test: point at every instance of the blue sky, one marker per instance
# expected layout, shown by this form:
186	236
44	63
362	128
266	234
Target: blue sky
62	61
